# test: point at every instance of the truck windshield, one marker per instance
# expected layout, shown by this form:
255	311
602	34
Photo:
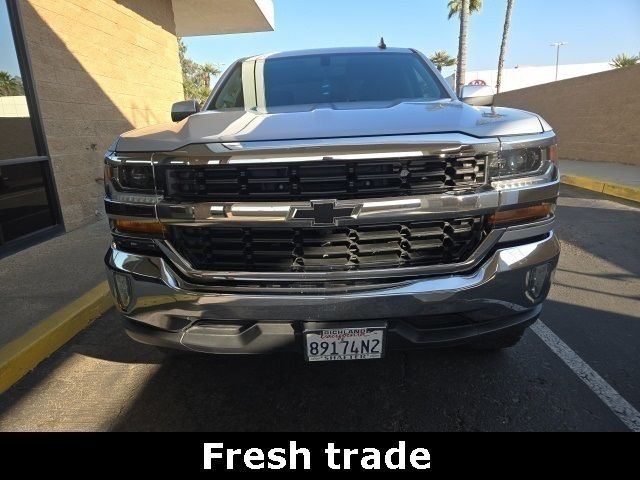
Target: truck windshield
349	77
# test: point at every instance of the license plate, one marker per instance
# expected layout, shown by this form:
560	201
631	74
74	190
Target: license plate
344	344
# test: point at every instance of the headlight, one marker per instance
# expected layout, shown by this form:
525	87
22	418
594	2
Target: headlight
522	162
137	177
127	174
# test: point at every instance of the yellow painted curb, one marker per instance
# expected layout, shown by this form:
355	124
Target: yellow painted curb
24	353
608	188
622	191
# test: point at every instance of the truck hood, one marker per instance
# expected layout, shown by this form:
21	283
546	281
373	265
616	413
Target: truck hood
352	120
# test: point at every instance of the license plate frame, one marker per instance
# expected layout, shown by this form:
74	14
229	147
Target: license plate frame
337	335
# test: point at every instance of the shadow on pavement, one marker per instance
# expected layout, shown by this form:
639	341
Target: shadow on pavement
612	235
524	388
93	383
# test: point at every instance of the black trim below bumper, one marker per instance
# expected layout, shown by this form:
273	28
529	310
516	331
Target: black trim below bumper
256	338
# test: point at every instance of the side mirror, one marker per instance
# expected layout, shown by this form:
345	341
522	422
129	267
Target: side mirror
477	95
181	110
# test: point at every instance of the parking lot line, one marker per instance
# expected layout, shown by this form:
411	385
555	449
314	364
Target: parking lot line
598	385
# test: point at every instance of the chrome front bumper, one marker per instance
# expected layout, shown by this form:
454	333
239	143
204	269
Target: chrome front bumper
428	311
171	303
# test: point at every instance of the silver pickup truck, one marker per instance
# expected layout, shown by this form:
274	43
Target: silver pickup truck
337	203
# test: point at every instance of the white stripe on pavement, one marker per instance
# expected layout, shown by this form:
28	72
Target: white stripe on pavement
612	399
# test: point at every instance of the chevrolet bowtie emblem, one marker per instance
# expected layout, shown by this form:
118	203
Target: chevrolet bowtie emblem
323	213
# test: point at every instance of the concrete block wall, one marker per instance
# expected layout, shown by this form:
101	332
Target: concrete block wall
596	117
16	138
100	67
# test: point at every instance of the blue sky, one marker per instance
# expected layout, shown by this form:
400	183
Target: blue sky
8	59
597	30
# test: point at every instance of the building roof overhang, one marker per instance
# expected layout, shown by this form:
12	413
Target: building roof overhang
216	17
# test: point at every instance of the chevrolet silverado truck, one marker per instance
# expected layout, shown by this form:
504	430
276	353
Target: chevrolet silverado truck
335	202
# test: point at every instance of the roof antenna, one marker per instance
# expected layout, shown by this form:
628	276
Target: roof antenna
382	45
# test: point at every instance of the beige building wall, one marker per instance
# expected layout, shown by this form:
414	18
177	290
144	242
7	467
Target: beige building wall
596	117
100	67
16	139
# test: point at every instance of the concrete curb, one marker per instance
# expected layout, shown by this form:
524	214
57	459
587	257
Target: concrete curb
24	353
608	188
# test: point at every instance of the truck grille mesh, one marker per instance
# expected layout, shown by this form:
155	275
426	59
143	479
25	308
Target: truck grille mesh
328	249
321	179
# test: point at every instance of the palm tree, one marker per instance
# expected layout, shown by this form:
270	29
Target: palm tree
624	60
503	45
442	59
462	45
10	85
462	8
456	5
208	70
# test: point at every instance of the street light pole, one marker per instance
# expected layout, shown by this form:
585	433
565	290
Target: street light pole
558	45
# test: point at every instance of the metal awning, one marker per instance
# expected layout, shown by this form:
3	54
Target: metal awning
214	17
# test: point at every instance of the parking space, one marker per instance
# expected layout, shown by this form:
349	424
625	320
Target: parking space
102	380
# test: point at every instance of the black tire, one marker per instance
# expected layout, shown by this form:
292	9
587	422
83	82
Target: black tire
499	341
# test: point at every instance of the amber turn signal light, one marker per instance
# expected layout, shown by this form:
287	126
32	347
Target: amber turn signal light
519	215
552	154
129	226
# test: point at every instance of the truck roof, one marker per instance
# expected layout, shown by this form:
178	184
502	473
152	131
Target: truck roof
336	50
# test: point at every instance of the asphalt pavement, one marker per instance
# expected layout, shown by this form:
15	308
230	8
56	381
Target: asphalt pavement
101	380
42	279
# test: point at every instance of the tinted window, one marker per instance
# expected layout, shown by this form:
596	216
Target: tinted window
25	186
357	77
24	200
231	95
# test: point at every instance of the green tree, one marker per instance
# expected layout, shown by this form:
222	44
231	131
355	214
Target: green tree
503	45
624	60
455	6
10	85
196	77
442	59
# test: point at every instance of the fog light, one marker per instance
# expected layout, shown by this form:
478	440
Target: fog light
536	279
123	290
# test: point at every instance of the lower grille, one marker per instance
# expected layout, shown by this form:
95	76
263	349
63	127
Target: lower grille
328	249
